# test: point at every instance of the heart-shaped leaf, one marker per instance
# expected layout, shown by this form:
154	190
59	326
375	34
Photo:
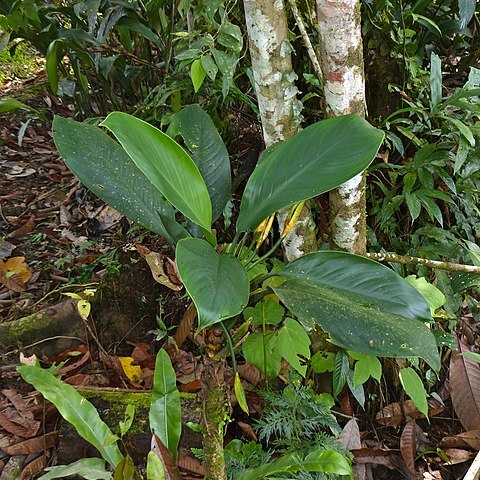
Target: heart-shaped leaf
317	159
218	283
164	162
363	305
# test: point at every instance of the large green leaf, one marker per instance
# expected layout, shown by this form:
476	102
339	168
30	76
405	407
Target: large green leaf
106	169
76	410
218	283
165	409
88	468
314	161
208	151
363	305
165	164
9	104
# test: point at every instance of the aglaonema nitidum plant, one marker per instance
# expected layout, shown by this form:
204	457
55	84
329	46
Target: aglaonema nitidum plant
146	175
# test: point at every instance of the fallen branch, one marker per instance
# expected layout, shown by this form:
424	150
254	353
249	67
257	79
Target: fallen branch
407	260
55	328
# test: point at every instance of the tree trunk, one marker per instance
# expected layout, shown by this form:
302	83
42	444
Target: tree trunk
341	52
280	110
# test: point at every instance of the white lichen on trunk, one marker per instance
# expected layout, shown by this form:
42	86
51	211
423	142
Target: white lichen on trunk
341	52
280	110
274	77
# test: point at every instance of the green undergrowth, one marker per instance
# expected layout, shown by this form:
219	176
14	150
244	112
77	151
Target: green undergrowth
19	63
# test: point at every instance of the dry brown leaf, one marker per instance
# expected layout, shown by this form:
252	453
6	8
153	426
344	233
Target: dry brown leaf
470	439
392	414
193	386
33	445
408	445
12	427
350	436
465	388
33	468
18	402
186	325
166	457
350	439
25	229
190	464
163	269
247	430
456	455
75	365
376	456
251	374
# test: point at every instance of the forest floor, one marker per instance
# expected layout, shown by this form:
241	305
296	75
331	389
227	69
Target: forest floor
56	239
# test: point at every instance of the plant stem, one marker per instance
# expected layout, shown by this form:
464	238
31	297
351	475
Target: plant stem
234	241
407	260
230	346
264	257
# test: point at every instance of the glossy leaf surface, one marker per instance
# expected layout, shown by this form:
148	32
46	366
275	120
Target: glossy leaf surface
165	164
76	410
413	386
208	151
363	305
107	170
218	283
165	410
317	159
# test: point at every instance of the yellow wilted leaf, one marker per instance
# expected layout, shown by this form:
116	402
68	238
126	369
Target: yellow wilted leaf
14	273
240	393
84	307
133	372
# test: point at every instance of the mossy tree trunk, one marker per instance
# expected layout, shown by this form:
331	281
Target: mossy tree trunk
280	110
214	413
341	53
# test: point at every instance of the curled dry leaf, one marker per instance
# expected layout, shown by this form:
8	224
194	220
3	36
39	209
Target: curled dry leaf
166	457
392	414
350	439
163	269
456	455
248	430
25	229
465	388
186	325
408	445
470	439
